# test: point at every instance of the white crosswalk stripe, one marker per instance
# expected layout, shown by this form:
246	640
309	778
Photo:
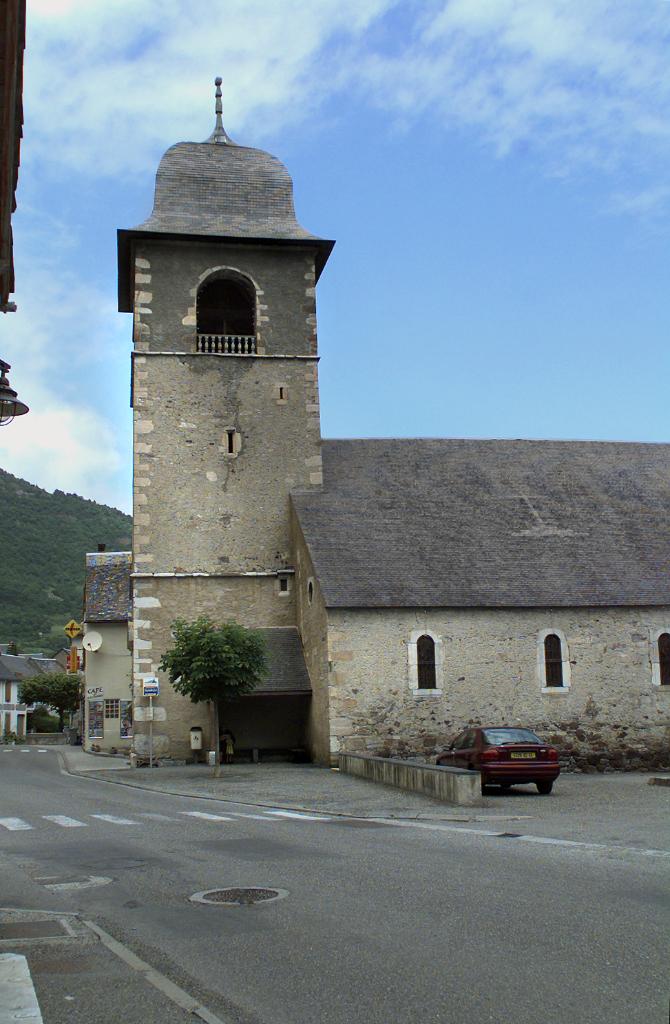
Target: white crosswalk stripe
156	817
113	820
270	817
205	816
64	821
298	815
253	817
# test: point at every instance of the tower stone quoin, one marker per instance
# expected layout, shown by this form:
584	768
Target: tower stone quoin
221	281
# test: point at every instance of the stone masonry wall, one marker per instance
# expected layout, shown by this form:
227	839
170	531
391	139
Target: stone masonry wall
312	623
611	716
253	601
199	508
212	515
169	273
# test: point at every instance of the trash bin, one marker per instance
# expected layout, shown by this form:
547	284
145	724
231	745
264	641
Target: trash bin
211	758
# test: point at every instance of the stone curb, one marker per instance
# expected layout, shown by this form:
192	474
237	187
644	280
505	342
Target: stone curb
659	780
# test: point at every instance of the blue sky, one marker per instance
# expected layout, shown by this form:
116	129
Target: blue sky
495	173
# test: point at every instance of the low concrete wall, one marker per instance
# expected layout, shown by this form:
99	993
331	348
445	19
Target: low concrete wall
453	785
43	739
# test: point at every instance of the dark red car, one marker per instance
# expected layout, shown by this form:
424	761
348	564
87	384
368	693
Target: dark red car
504	756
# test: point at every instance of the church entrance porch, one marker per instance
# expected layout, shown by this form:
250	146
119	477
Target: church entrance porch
267	726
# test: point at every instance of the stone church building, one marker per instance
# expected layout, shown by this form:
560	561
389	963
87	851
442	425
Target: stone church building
405	587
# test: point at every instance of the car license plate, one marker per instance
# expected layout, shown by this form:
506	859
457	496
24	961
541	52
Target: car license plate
525	754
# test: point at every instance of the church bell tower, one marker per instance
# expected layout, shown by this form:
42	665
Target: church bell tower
220	280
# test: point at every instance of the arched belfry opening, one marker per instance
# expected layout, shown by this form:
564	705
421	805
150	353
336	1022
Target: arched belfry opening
226	316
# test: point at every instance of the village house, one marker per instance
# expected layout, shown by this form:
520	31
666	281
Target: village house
108	704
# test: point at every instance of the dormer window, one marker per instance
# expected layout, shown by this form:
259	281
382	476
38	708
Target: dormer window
225	317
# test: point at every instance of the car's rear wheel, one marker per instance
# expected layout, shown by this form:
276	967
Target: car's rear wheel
544	787
484	785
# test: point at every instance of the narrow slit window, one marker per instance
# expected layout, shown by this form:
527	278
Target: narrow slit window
425	653
664	658
283	584
230	434
553	660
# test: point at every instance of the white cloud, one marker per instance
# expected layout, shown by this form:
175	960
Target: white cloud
66	344
108	84
69	447
578	83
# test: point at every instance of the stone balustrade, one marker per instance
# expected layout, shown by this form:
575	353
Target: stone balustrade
226	344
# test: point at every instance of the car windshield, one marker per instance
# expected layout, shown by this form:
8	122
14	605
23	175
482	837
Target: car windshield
499	737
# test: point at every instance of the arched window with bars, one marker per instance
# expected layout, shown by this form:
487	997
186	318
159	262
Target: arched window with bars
425	657
553	660
664	658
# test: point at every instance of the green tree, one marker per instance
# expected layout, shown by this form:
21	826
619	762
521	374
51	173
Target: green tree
58	690
42	720
214	663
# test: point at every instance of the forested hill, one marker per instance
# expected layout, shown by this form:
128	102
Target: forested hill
43	540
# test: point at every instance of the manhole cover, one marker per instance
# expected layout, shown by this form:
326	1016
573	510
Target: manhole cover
241	896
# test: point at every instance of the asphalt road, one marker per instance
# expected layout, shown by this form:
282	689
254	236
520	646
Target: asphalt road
383	923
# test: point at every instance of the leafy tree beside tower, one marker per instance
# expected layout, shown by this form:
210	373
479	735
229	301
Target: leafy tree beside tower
214	663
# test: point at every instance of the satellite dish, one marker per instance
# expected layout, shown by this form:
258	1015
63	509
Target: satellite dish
92	641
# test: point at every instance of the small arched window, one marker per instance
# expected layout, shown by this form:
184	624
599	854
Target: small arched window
553	660
425	657
226	307
664	658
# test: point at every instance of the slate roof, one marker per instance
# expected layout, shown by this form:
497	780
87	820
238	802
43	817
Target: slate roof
288	672
15	667
214	188
107	586
467	523
217	189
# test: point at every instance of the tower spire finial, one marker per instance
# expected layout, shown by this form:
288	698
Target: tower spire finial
219	133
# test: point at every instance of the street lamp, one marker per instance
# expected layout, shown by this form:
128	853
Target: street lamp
10	405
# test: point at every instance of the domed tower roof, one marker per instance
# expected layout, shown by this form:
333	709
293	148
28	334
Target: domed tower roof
218	189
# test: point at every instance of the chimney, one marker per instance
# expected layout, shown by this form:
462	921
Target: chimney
102	547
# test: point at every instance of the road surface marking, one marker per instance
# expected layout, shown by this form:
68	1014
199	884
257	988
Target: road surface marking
64	821
156	817
299	816
42	750
573	844
19	999
25	750
254	817
14	824
113	820
205	815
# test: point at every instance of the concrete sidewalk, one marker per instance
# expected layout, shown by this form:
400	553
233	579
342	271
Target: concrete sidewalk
76	760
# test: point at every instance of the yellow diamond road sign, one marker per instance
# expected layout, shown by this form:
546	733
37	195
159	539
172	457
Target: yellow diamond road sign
72	629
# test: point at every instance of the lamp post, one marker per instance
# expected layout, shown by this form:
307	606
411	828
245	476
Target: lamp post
10	404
